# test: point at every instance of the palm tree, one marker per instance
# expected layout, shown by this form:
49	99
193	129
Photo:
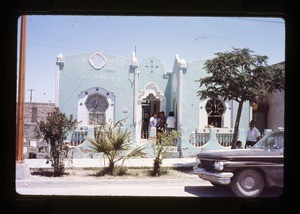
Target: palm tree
114	142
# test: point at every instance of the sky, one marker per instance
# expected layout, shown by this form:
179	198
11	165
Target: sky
192	38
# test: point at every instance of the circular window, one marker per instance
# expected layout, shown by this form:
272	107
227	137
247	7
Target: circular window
97	105
97	102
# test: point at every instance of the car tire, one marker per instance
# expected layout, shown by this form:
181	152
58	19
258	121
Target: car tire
247	183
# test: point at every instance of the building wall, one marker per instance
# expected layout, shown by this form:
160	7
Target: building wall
276	101
276	110
191	109
31	118
77	75
116	76
152	70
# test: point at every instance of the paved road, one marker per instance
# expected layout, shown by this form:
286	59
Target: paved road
129	187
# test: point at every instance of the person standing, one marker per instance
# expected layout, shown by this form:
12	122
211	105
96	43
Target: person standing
171	121
152	126
161	122
253	135
171	124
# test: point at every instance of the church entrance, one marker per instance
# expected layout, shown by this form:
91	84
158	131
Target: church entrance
150	100
149	105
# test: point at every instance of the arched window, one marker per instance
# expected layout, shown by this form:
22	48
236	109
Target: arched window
215	110
97	105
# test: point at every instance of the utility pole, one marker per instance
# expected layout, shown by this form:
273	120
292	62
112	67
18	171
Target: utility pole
21	93
31	94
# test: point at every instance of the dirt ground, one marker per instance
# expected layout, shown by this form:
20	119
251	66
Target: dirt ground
130	173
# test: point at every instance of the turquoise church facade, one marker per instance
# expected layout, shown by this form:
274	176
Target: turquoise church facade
99	87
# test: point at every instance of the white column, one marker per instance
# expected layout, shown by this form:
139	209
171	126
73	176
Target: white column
58	67
136	106
179	109
227	116
202	119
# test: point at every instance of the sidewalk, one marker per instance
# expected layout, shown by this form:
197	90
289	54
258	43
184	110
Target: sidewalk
82	163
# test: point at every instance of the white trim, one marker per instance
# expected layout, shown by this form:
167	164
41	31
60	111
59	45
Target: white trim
93	64
226	117
150	88
83	113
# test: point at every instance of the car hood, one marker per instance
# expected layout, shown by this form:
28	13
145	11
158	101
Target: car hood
241	154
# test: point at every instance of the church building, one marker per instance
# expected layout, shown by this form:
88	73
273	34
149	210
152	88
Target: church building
99	87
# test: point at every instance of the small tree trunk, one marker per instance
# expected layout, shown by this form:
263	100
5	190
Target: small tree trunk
236	125
111	167
156	166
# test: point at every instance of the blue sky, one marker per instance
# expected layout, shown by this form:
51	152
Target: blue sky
193	38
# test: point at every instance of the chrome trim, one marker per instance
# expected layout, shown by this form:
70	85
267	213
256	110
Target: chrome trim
216	177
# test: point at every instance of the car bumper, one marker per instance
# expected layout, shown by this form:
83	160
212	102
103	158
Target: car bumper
215	177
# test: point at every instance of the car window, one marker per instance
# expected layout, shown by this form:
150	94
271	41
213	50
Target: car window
271	141
280	142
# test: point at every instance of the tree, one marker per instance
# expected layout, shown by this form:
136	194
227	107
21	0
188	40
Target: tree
240	75
164	141
115	144
54	132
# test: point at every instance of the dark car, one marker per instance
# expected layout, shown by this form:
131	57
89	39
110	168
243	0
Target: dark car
246	171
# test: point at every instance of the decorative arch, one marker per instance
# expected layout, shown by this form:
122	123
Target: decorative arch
150	88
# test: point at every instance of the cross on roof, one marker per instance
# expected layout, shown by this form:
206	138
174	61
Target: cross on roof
151	66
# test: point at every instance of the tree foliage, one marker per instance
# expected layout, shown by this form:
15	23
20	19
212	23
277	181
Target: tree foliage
54	132
240	75
164	141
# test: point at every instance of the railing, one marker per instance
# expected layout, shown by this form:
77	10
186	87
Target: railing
78	137
201	137
144	135
225	139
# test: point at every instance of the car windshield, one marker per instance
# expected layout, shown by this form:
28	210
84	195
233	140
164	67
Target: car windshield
272	140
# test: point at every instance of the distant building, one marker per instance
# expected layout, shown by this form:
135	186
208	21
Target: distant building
269	113
34	112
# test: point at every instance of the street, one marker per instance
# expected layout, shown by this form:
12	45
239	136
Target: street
130	187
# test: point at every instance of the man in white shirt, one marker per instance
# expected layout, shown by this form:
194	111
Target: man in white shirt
253	135
171	121
152	127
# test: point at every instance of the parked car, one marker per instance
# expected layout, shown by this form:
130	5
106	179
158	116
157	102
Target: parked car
246	171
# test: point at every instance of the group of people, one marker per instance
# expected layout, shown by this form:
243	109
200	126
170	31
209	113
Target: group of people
159	123
253	134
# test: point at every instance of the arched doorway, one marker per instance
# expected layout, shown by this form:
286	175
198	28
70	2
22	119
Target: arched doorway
149	105
150	100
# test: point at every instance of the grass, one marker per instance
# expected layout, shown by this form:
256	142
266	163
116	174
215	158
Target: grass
120	172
